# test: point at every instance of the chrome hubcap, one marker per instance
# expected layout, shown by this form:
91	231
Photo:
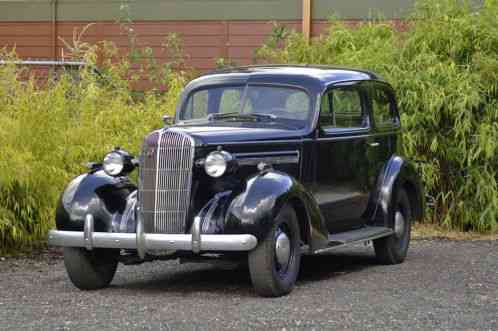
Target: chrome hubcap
282	249
399	224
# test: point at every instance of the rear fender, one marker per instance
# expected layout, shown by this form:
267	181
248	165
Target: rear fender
398	173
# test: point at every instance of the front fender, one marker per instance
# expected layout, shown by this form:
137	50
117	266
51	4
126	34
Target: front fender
254	210
398	173
96	193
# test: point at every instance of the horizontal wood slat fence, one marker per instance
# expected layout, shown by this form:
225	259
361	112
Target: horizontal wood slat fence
34	27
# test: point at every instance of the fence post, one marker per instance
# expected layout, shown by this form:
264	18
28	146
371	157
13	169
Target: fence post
54	8
307	19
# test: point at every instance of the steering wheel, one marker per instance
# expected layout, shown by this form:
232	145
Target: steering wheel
284	113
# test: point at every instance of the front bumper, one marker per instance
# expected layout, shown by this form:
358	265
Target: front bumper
145	242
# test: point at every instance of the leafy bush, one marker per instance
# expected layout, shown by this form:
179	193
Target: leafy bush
445	69
47	135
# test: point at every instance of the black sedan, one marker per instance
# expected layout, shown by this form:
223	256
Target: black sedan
261	164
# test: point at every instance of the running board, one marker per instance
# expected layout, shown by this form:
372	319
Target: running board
367	233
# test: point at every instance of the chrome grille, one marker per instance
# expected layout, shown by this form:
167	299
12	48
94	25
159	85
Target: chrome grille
165	181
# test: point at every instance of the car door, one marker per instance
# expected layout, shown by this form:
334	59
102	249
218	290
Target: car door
341	185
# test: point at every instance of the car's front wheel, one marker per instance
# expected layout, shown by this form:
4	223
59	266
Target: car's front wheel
274	264
393	249
90	270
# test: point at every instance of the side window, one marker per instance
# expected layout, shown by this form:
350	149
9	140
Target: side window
383	107
343	108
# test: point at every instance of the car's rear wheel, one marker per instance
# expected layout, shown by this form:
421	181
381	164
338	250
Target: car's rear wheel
90	270
274	264
393	249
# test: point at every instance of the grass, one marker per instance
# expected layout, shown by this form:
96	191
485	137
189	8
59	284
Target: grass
424	231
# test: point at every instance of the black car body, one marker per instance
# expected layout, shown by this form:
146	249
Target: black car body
262	162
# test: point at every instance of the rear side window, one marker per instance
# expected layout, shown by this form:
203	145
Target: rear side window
343	108
383	106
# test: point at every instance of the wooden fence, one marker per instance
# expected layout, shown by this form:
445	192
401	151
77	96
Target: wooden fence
209	29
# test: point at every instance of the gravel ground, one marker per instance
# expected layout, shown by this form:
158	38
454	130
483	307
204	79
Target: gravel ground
443	285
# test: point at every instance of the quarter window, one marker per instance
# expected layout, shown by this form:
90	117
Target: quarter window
343	108
383	107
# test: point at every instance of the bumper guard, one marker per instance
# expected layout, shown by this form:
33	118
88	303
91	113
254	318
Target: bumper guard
144	242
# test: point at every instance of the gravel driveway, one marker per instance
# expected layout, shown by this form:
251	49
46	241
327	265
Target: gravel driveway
444	285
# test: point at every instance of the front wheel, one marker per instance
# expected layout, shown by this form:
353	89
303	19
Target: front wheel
393	249
90	270
274	264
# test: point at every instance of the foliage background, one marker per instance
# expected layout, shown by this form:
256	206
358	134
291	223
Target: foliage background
445	70
444	67
48	134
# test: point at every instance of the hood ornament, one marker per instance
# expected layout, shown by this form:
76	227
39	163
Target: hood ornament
168	120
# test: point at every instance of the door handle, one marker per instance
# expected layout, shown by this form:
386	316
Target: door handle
374	144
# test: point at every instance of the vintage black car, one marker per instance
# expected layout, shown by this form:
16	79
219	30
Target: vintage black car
261	164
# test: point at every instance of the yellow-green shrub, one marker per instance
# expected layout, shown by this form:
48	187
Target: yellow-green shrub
444	67
445	70
47	135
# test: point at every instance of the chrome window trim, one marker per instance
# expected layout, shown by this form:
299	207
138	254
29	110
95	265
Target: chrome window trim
183	104
366	113
331	136
350	135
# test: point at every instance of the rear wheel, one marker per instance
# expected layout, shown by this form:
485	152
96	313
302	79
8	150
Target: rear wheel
274	264
393	249
90	270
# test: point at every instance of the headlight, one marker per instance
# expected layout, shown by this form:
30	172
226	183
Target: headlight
216	163
113	163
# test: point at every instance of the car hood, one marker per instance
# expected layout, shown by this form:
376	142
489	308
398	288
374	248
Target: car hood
222	133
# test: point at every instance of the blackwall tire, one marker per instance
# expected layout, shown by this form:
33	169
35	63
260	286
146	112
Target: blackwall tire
393	249
269	277
90	270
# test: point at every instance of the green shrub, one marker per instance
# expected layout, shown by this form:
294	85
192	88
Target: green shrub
445	69
47	135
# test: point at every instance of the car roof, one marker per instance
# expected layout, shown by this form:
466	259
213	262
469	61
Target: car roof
314	77
312	70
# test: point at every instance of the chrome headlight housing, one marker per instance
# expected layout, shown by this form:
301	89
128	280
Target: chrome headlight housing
113	163
217	163
118	162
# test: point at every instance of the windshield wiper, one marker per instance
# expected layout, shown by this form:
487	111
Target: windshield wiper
239	116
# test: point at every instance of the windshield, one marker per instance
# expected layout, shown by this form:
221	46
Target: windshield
288	105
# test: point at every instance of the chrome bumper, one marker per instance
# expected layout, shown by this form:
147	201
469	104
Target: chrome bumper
144	242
